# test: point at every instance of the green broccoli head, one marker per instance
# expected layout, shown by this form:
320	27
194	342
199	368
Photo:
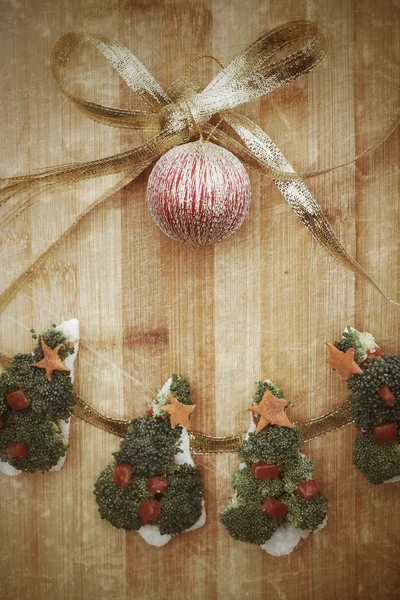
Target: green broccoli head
368	408
273	444
250	489
45	444
296	471
246	522
181	504
4	406
356	340
119	506
150	446
49	399
377	463
52	338
180	389
306	513
262	386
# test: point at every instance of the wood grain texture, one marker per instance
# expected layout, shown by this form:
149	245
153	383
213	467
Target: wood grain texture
261	304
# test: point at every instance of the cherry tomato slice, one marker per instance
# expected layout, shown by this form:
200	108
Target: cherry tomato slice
123	475
17	400
384	434
387	396
274	509
263	470
307	489
17	450
149	510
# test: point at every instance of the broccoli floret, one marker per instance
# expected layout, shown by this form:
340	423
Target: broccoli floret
50	399
53	337
262	387
150	446
352	339
119	505
296	471
306	513
246	522
368	408
249	488
180	389
181	505
377	463
4	406
45	444
275	445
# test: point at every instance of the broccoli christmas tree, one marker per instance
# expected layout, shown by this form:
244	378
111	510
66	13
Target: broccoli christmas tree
276	501
154	486
36	403
374	380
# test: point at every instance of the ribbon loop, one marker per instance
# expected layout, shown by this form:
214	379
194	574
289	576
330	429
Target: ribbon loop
177	116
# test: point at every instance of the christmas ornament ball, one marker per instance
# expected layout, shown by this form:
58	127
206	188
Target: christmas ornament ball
198	193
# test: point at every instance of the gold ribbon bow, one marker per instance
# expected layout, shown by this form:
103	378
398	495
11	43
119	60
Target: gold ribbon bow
176	117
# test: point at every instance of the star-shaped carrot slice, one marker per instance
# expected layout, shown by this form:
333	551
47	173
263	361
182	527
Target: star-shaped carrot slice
343	362
51	361
178	412
271	411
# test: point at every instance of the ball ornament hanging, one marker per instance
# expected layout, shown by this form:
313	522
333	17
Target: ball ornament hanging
198	193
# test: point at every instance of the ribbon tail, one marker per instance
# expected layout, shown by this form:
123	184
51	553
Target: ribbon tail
297	195
71	173
10	291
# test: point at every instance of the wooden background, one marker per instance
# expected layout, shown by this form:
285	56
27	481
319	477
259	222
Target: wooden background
261	304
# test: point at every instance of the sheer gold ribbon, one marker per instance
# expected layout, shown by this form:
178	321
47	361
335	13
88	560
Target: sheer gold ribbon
175	118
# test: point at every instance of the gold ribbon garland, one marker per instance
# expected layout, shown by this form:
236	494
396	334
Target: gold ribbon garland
175	118
201	443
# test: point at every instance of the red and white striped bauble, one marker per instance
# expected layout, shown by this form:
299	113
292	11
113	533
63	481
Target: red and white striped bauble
198	193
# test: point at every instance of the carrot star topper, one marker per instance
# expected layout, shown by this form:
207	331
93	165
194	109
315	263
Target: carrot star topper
343	362
272	411
51	361
178	413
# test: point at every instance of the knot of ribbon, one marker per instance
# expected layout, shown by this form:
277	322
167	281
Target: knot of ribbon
175	117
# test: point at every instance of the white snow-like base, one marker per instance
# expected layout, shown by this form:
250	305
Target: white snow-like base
285	539
71	329
393	479
151	533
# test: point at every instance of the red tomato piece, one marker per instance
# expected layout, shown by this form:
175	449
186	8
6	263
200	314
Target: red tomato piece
17	450
2	421
274	509
17	400
149	510
123	475
384	434
307	489
387	396
262	470
149	412
157	485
